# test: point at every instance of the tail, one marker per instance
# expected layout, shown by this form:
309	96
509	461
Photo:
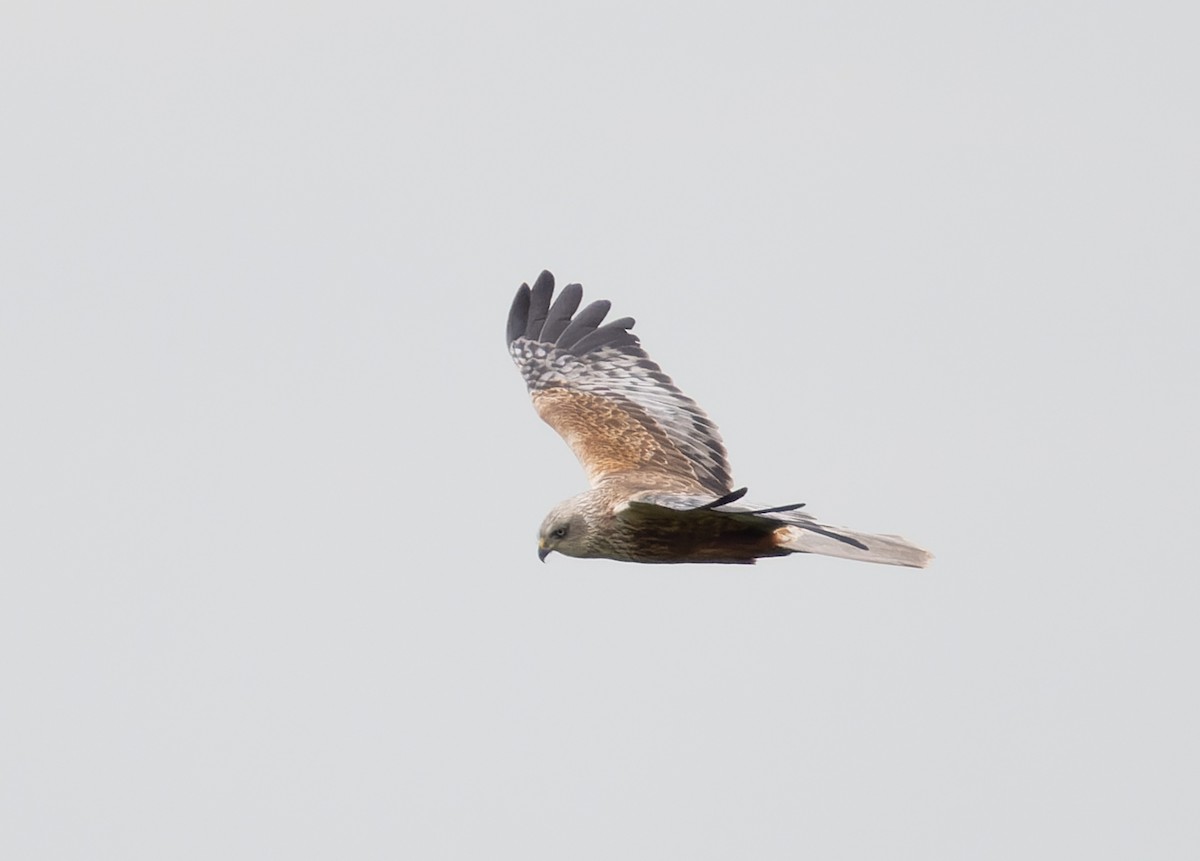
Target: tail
848	544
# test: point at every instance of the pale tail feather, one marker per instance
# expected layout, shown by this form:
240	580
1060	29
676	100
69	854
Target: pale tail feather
886	549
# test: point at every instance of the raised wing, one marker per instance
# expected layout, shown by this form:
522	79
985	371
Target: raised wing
596	386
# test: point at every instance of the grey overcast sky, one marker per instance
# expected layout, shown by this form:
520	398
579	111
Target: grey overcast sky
269	484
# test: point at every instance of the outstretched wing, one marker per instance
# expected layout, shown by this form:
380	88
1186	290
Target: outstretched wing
596	386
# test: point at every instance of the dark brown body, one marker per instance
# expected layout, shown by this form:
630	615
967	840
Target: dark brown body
660	535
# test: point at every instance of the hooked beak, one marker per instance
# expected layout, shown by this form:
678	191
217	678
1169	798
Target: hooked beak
543	551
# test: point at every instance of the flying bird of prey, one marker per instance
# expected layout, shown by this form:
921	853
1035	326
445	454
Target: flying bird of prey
661	489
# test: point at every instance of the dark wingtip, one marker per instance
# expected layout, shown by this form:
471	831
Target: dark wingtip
518	314
533	316
539	303
559	315
615	334
585	322
845	539
732	496
778	508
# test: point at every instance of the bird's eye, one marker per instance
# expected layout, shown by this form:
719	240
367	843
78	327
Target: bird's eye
561	532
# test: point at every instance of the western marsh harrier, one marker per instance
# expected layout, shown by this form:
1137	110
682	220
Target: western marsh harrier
661	489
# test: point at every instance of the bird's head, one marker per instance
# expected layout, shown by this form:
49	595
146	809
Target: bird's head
566	529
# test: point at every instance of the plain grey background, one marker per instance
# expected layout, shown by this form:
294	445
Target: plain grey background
270	484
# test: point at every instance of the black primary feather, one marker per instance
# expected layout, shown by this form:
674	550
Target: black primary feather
584	323
853	542
539	304
560	313
518	314
612	334
779	508
732	496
